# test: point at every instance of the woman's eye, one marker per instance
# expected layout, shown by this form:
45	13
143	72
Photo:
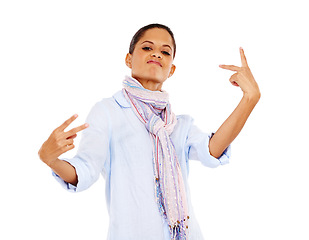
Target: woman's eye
147	48
166	53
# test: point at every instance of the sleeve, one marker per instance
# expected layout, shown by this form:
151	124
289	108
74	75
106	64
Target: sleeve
198	148
93	155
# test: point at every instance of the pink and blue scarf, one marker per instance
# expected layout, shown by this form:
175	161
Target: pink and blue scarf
154	110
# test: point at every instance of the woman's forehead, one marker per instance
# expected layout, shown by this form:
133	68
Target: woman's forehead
157	36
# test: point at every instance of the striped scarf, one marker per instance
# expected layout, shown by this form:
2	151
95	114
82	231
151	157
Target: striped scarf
154	110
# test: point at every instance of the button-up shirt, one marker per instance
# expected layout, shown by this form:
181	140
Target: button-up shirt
118	146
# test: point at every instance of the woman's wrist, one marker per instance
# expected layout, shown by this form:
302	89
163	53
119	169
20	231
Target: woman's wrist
45	159
252	98
53	163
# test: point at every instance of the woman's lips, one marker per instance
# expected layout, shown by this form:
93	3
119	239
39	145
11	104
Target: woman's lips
155	62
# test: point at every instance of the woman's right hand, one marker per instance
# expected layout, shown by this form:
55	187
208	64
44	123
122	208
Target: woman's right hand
60	141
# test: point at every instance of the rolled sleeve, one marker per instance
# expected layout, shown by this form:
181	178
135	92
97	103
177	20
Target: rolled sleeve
198	148
69	187
85	174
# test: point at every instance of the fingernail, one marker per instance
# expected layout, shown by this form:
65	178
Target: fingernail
86	125
241	48
75	115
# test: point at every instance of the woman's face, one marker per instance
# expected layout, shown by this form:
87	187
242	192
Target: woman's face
152	59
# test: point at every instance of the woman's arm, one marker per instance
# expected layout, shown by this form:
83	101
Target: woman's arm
235	122
64	170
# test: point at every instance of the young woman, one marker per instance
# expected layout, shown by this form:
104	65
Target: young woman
142	149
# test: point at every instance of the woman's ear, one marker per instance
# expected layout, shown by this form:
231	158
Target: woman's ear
173	68
129	60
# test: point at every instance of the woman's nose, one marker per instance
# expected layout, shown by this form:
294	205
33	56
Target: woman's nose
156	55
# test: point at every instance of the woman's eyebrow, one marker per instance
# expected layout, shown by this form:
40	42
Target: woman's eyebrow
165	45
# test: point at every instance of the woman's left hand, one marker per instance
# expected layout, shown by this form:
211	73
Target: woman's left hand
243	78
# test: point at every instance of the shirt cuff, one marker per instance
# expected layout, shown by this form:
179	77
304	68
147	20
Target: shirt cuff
69	187
225	157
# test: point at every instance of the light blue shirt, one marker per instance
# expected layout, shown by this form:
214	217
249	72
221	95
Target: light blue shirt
117	145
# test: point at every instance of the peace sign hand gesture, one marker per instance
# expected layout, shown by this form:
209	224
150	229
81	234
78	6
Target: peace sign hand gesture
59	141
243	78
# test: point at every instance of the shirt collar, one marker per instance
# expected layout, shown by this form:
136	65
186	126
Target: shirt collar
121	100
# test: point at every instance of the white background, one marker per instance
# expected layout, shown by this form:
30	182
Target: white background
58	58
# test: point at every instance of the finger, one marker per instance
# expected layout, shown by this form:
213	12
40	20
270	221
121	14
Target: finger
73	131
244	62
67	148
66	143
230	67
72	137
235	84
233	80
67	123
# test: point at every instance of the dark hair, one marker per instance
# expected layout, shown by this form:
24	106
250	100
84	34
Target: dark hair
140	33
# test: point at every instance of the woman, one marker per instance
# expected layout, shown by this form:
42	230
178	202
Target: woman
142	149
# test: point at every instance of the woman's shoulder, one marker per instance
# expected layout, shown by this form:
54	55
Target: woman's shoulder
112	103
105	107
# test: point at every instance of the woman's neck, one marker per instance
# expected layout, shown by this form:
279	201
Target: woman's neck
150	84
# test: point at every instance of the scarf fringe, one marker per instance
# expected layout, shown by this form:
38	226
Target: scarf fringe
178	232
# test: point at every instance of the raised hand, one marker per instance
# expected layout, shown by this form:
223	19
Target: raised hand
243	77
59	141
232	126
